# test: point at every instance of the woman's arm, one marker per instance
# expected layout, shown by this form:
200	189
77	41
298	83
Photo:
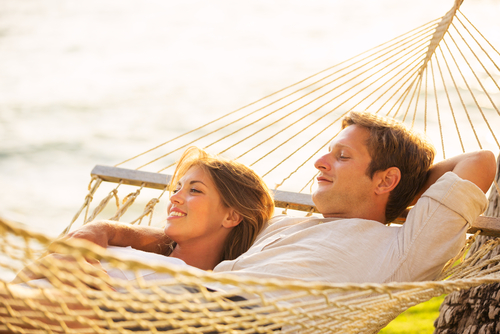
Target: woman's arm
478	167
104	234
110	233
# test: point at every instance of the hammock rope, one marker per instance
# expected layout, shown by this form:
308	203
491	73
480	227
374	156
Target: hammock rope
460	97
442	66
437	113
416	30
386	78
98	209
479	44
479	61
94	184
472	93
358	85
312	307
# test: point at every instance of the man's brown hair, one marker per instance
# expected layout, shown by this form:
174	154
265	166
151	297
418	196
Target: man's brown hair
392	144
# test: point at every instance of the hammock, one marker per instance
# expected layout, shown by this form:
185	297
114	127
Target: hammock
440	78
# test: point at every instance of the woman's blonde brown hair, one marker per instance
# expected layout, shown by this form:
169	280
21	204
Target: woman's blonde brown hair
240	188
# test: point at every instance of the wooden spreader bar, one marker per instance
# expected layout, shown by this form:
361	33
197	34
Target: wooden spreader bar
282	199
489	226
132	177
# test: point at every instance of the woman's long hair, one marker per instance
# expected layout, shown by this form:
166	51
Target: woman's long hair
240	188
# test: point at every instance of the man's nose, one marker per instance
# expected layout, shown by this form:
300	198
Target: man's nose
322	163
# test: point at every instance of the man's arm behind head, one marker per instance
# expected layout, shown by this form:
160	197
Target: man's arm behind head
478	167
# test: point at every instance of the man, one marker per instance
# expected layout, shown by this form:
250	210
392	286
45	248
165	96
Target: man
374	169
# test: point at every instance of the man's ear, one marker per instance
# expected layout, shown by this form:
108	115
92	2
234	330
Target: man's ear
387	180
232	219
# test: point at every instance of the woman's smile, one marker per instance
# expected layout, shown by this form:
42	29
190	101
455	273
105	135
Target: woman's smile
174	213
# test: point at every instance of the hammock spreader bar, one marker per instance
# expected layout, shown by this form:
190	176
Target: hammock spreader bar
489	226
283	199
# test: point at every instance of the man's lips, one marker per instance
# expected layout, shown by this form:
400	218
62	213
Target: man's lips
322	179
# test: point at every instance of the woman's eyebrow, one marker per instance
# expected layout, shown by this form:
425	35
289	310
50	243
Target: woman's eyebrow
197	181
179	183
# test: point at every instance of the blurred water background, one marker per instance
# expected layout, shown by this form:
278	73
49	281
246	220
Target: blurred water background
96	82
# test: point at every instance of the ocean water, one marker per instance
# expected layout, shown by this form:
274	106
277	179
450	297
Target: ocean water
96	82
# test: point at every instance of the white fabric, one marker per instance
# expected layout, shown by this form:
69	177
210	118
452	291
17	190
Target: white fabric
356	250
129	253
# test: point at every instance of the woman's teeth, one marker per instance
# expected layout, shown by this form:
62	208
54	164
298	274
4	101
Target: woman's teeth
179	214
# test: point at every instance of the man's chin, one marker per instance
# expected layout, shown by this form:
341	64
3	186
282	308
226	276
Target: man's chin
323	202
314	198
319	195
317	203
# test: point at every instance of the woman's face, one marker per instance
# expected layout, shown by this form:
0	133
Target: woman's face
196	212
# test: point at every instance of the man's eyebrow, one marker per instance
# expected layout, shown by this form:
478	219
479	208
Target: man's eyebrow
338	145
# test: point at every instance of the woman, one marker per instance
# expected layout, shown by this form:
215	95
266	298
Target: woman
217	208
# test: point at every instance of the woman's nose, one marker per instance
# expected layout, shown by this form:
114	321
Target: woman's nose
177	198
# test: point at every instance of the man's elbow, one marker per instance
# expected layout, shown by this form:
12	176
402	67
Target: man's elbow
486	169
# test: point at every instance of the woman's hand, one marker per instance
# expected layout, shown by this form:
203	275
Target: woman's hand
36	269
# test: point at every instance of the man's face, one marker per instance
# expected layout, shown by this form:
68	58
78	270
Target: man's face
344	188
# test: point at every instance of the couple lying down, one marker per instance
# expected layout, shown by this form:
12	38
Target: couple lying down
220	213
219	219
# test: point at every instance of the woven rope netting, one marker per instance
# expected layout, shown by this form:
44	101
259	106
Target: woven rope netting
440	78
80	299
